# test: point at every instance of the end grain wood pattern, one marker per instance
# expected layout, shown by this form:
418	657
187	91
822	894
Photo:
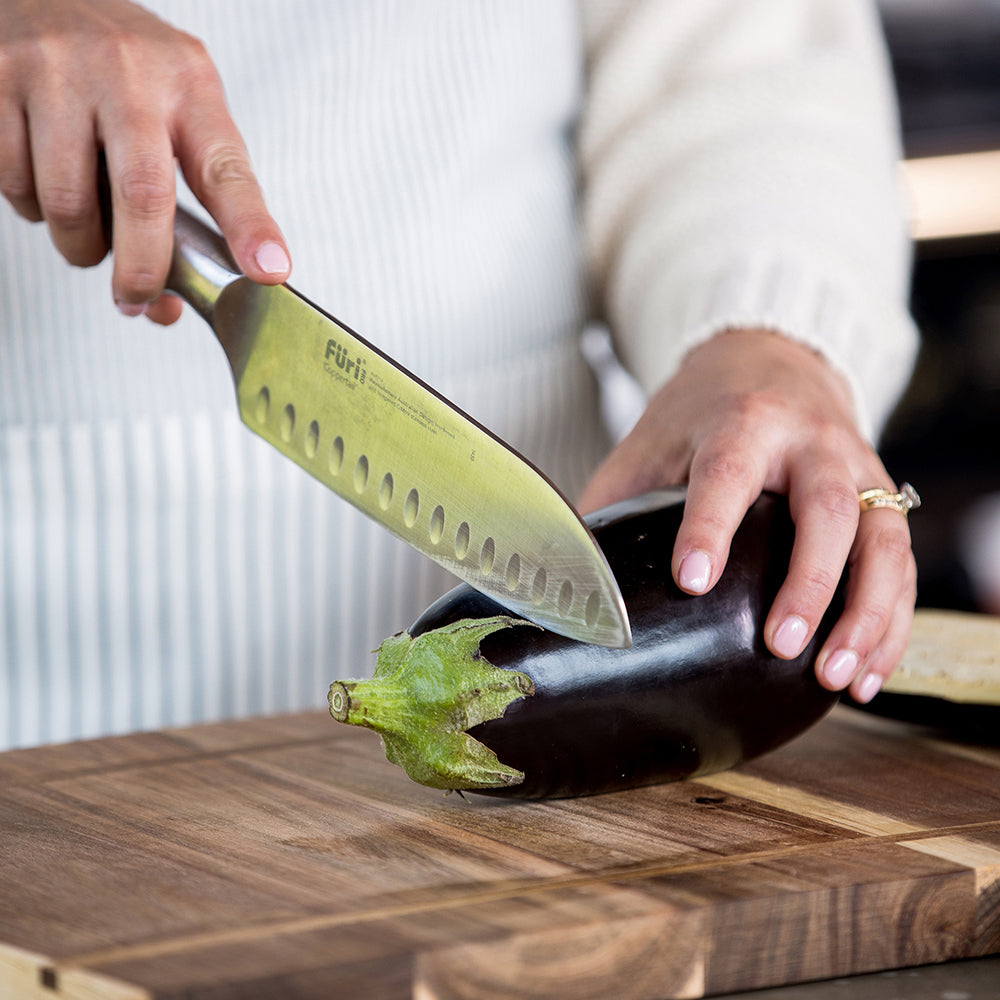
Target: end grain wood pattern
285	857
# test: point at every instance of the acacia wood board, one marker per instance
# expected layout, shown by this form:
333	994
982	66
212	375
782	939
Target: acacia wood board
285	857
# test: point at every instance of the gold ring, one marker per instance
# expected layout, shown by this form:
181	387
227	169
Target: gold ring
904	501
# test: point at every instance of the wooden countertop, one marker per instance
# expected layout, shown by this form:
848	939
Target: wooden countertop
284	857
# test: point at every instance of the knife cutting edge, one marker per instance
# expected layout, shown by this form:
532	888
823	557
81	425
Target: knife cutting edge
391	446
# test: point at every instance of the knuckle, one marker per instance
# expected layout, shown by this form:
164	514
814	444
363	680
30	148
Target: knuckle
121	50
225	165
722	465
704	529
129	46
752	409
893	548
145	188
823	580
194	61
33	52
133	53
873	622
838	501
67	207
17	185
819	583
138	281
15	61
836	438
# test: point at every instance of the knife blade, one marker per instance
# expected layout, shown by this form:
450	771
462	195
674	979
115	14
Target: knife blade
393	447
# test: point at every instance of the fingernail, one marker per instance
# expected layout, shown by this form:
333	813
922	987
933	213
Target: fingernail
272	259
790	637
840	668
695	572
132	308
868	688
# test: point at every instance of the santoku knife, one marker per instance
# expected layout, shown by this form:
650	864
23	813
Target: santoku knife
397	450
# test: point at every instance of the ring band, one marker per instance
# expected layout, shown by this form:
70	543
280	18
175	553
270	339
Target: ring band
904	501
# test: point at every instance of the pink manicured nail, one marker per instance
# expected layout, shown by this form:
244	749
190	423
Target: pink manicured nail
840	668
132	308
695	572
868	688
790	637
272	259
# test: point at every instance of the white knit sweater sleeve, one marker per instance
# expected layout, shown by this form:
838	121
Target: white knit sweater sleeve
740	168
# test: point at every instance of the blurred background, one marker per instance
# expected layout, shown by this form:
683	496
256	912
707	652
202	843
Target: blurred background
945	435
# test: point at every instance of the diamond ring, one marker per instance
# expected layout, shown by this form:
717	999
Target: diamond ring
904	501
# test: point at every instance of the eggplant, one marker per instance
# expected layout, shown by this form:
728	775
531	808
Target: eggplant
471	698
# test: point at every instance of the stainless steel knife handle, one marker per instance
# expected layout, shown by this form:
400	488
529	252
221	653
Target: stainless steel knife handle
201	266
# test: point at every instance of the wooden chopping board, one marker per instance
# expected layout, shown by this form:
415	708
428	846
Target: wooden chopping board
284	857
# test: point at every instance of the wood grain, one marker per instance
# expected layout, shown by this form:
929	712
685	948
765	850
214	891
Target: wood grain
285	857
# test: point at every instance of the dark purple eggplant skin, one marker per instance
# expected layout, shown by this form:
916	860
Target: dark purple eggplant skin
697	692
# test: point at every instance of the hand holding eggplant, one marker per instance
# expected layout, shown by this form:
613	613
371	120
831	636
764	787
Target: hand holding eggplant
748	411
469	698
106	80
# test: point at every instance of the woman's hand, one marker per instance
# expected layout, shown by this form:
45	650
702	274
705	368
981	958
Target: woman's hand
751	410
105	79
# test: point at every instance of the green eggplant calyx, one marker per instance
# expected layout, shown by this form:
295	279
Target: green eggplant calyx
423	696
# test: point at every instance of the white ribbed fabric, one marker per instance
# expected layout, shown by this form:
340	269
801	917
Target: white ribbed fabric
158	563
742	168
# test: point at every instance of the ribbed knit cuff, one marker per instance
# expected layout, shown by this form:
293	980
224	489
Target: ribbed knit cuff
684	307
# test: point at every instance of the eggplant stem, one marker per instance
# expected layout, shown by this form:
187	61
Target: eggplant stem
426	692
